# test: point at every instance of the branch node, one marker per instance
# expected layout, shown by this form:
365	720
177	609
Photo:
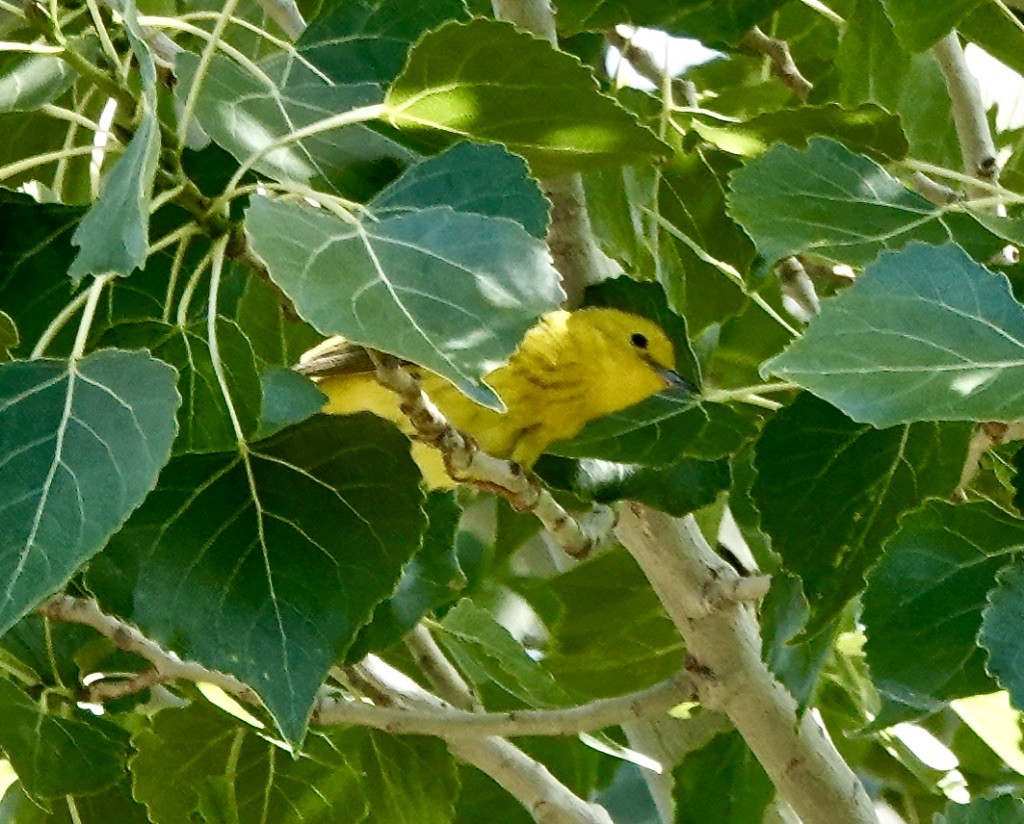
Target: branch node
777	51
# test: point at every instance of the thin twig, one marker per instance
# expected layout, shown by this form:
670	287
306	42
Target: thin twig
86	611
445	679
799	296
777	51
447	721
466	463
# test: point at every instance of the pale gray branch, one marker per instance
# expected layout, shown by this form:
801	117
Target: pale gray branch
168	665
799	297
446	680
287	15
724	645
777	51
467	464
528	781
976	145
446	721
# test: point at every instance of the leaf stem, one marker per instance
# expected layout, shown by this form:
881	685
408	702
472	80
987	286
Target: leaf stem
201	70
219	248
12	169
92	299
360	115
58	323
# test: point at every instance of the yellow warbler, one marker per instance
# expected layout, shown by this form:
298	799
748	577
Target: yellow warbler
570	368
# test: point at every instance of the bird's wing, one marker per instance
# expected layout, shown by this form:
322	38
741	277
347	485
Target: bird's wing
337	356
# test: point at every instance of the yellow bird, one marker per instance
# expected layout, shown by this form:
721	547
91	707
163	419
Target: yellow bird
571	368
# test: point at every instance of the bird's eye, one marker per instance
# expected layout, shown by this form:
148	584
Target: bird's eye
639	341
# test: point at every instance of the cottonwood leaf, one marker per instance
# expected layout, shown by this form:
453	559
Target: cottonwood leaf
55	755
610	634
8	336
29	81
833	202
81	444
865	128
35	253
712	21
482	180
925	334
266	564
1002	810
660	431
488	81
489	655
454	292
113	804
172	776
678	488
1000	631
288	398
928	593
919	24
431	579
830	492
721	783
367	41
114	235
204	423
244	114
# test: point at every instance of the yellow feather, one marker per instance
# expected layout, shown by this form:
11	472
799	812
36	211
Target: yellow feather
571	368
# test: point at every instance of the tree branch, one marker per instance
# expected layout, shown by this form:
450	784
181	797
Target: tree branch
446	680
467	464
530	782
724	645
574	250
445	721
287	15
976	145
777	51
168	665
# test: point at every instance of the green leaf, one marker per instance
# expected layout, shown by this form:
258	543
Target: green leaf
489	655
204	422
288	398
244	114
721	783
1002	810
8	336
451	291
865	128
29	81
55	755
171	774
927	595
256	564
714	22
996	32
919	24
367	41
81	443
832	202
487	81
114	804
692	198
431	579
123	208
278	338
872	64
797	662
830	491
611	635
1000	631
35	253
34	646
679	488
925	334
661	430
407	779
482	180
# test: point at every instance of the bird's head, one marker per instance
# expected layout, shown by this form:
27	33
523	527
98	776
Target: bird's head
634	352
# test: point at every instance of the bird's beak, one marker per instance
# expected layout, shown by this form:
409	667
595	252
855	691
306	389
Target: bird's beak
675	380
